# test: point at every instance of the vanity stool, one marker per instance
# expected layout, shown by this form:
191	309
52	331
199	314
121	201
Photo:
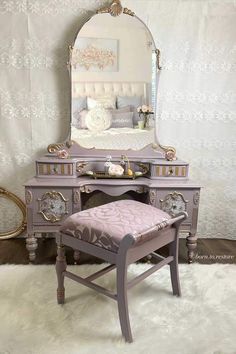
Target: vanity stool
121	233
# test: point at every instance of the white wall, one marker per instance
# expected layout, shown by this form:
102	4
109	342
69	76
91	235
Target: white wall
197	100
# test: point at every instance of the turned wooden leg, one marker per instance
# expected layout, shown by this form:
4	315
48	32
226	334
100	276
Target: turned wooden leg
76	256
123	302
174	268
60	268
31	246
191	243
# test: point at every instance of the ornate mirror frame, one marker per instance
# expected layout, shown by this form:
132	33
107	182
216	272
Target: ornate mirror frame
18	230
153	150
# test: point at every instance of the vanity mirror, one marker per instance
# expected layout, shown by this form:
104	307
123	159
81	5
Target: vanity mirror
113	76
114	71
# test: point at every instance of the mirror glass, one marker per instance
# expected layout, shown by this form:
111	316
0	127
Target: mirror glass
113	76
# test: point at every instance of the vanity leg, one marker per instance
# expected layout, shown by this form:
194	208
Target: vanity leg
31	246
76	256
191	243
60	268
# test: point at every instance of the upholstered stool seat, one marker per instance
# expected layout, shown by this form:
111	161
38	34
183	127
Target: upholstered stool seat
120	233
105	226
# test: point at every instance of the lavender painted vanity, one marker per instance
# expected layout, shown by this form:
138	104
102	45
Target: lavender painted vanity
117	83
53	196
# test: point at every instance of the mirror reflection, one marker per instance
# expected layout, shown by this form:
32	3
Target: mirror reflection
113	71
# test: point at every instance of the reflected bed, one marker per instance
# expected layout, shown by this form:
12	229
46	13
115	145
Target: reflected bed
114	138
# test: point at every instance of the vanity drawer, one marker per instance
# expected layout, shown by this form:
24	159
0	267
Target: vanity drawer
51	206
163	171
56	168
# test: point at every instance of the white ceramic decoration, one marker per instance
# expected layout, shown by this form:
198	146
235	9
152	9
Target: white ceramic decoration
98	119
115	170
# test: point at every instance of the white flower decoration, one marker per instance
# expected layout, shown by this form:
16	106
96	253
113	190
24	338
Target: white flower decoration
144	108
115	170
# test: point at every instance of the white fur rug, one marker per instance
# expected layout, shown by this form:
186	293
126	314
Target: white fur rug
203	321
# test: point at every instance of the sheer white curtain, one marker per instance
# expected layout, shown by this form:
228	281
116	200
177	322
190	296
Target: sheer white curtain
196	98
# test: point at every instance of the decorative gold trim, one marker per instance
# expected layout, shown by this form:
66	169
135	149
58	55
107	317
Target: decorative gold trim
173	196
85	189
144	167
52	217
52	148
158	55
11	196
170	152
115	9
80	166
128	12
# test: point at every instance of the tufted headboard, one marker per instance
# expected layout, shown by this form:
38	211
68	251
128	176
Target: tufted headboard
93	89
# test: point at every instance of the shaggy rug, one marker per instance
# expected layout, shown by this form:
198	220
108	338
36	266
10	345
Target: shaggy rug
203	321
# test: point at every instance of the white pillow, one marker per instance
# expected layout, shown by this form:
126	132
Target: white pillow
98	119
102	101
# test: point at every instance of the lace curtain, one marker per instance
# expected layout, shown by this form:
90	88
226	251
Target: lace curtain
196	99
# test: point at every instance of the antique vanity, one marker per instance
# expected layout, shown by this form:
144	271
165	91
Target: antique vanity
111	73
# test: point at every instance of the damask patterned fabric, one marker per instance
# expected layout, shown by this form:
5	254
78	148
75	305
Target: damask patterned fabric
196	101
106	225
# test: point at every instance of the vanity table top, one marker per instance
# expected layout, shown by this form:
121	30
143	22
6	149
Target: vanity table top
81	181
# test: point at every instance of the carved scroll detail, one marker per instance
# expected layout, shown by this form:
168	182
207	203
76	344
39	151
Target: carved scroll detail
28	197
196	198
85	189
53	206
52	148
128	12
158	54
170	152
77	198
152	196
115	9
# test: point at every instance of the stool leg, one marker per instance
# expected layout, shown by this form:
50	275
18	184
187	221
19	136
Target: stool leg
60	268
123	301
174	269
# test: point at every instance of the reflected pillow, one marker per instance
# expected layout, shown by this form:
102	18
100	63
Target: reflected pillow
133	101
98	119
78	104
79	119
122	119
125	109
103	101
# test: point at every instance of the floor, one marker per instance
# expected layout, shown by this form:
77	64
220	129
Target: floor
209	251
202	321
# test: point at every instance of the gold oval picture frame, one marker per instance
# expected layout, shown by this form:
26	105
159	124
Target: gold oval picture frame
21	205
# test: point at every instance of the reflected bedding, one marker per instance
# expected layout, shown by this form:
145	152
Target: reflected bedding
113	138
